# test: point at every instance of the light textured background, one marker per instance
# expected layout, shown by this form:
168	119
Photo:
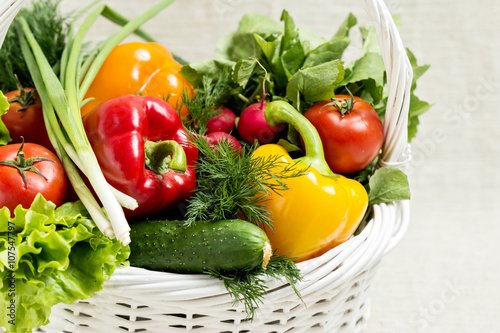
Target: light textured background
444	276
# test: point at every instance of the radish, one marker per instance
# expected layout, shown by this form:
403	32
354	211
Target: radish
252	125
223	122
215	137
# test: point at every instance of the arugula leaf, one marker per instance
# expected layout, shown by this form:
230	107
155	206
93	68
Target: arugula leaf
244	70
241	44
290	34
314	83
328	51
345	27
60	257
211	68
417	108
370	40
365	77
388	184
292	59
4	131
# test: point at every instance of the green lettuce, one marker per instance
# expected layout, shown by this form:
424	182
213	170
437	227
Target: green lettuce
4	132
50	255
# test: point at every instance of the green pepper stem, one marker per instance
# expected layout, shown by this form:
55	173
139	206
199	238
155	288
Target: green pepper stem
164	156
278	112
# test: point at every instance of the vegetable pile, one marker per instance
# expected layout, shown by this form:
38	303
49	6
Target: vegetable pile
238	166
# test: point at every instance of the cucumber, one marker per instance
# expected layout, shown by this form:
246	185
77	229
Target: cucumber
226	245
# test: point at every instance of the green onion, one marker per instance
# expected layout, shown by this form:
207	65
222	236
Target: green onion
62	99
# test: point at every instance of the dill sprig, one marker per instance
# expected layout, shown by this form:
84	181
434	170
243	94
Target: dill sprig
232	183
203	105
50	29
249	286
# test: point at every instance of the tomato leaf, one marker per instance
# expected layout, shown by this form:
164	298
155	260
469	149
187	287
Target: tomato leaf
388	184
4	131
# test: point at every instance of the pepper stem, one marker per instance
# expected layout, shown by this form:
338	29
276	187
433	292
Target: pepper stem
164	156
278	112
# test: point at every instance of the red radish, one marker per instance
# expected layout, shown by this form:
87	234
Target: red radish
252	125
223	122
214	137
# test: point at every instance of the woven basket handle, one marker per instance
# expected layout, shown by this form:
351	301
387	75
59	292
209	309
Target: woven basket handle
395	151
8	10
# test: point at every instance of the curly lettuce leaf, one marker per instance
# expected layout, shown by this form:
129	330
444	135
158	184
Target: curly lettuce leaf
4	132
50	255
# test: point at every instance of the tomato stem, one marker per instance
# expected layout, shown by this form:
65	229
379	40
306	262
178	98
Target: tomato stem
22	164
26	97
344	106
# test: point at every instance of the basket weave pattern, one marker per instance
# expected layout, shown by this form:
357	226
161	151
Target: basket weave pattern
335	294
336	287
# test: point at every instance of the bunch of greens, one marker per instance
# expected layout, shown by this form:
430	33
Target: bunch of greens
51	29
303	68
50	255
300	66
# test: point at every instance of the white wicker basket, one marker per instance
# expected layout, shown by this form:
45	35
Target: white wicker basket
336	287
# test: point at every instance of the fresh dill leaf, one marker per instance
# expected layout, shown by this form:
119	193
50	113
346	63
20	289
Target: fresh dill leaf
50	29
232	183
250	286
203	105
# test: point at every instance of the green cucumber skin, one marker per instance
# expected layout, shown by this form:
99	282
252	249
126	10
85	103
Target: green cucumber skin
226	245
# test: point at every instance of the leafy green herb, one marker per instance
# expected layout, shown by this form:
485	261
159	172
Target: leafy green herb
388	185
303	67
203	105
250	286
384	185
231	182
50	29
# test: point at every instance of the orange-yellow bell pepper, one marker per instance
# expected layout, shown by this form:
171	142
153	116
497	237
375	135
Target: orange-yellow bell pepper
139	68
319	210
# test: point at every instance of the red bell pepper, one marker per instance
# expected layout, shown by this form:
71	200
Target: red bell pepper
143	151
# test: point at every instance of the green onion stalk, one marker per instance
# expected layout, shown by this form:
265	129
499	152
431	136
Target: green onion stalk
62	98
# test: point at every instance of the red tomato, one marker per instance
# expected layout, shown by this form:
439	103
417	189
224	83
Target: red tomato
25	118
351	141
14	190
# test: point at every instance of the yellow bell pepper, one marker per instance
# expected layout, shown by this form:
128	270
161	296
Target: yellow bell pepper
320	209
